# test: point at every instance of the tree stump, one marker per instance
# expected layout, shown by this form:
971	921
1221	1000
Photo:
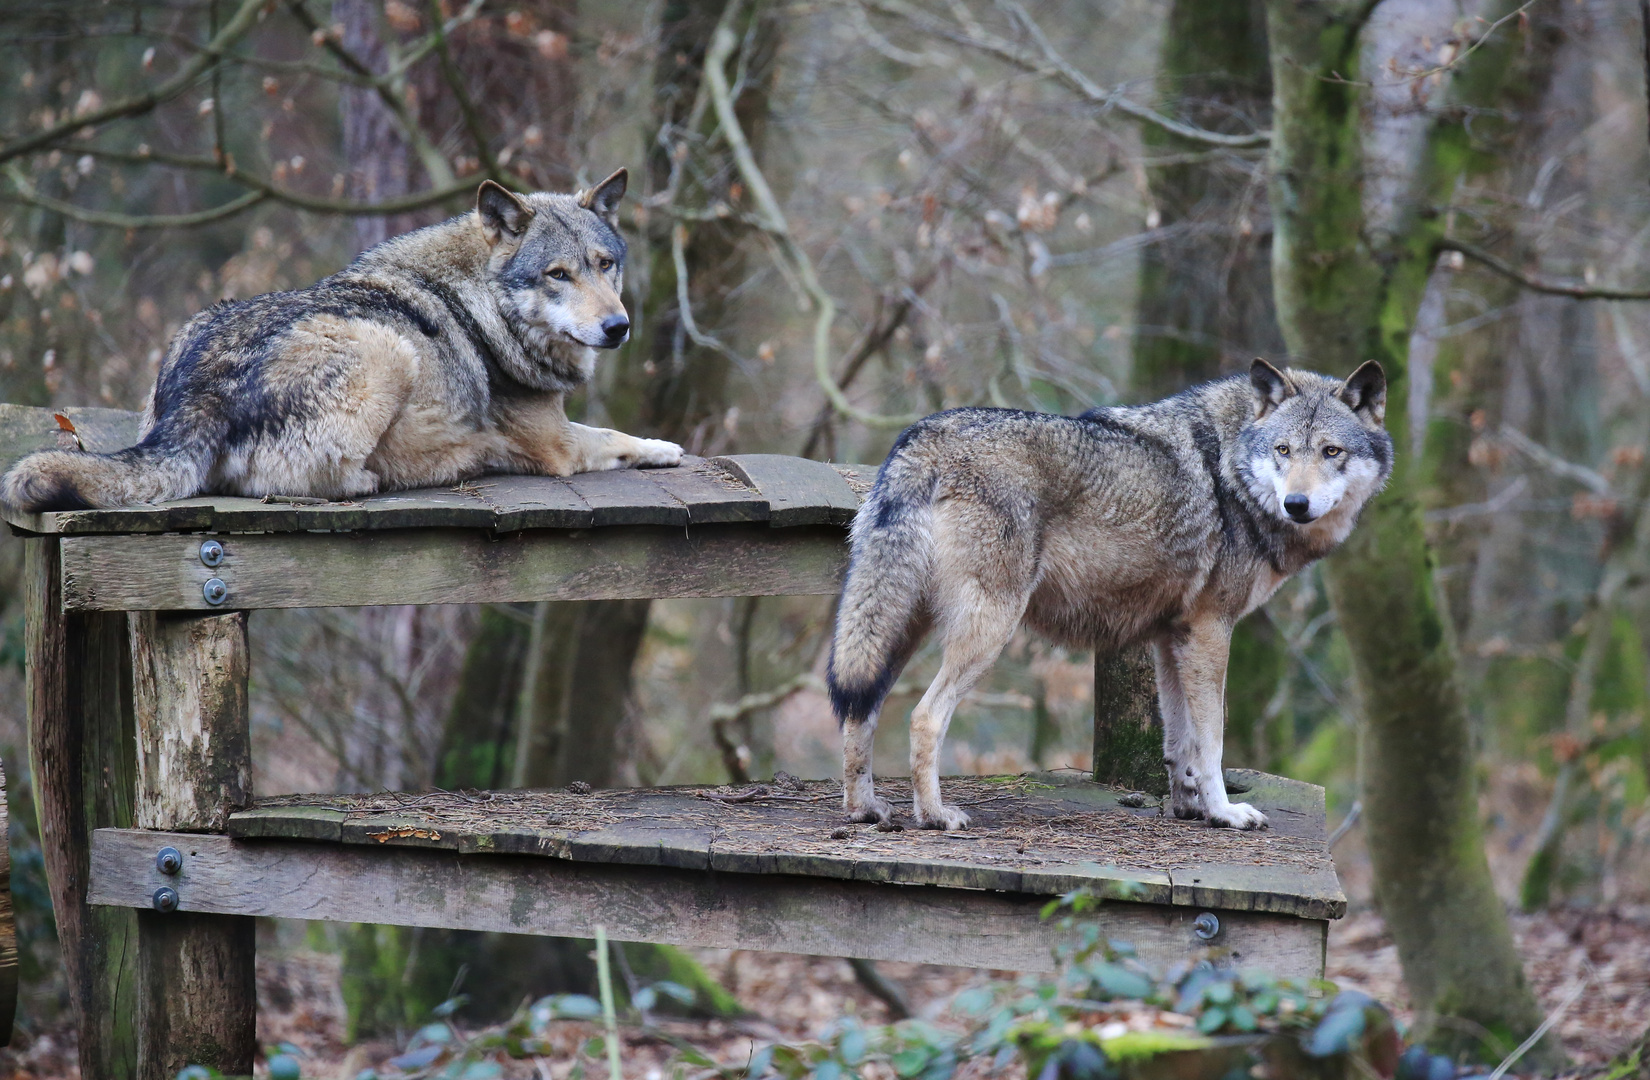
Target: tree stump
1128	729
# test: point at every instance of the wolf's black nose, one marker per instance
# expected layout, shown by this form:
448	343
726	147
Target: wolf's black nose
615	327
1297	506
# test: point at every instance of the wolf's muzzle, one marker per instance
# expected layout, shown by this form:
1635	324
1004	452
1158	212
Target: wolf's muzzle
1298	507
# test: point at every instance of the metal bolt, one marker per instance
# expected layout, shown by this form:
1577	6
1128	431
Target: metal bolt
168	860
166	899
211	553
215	591
1206	926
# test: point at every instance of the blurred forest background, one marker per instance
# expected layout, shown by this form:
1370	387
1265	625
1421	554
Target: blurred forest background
1045	206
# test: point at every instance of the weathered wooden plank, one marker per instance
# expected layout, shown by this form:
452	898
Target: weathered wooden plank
1313	895
534	502
288	823
628	497
710	492
799	491
395	831
419	887
78	691
194	753
24	429
429	566
198	995
8	929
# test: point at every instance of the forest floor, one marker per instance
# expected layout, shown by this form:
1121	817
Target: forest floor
1605	945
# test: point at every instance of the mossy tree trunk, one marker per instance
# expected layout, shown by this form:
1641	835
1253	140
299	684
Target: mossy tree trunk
662	385
1205	303
1347	289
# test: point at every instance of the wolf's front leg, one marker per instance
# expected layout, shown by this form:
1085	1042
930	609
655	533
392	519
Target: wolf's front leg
1192	693
600	449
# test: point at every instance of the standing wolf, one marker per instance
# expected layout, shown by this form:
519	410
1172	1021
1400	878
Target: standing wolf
435	356
1163	523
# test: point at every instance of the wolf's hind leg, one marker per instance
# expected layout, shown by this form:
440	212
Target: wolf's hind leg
976	637
859	796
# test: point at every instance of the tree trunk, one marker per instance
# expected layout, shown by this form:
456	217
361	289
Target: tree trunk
664	386
1205	302
1347	291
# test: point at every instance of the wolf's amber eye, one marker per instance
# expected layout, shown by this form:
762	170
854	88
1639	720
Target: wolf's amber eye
1283	451
556	273
1332	451
605	264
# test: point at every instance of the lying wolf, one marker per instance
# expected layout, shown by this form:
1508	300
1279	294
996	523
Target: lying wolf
1162	523
435	356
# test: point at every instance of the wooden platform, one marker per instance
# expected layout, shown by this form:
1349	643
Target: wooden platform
138	655
770	866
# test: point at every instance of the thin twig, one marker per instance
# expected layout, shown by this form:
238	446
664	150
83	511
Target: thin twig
1535	283
246	16
1054	66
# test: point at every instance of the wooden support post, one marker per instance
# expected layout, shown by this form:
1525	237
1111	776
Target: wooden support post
195	971
1128	730
81	755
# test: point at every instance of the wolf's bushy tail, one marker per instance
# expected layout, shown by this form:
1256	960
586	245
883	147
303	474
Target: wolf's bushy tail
151	471
888	581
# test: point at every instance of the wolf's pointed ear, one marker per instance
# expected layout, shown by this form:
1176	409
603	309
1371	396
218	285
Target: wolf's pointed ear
603	199
503	213
1364	392
1272	387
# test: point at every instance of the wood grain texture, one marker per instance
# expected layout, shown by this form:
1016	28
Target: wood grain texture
194	753
198	997
8	929
78	695
414	886
194	757
433	566
799	491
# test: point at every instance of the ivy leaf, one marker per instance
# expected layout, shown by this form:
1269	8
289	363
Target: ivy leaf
1212	1020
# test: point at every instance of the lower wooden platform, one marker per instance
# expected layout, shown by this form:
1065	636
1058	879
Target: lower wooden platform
769	867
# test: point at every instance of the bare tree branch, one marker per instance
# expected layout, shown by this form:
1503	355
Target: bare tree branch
1054	66
261	190
208	59
461	93
723	44
1574	290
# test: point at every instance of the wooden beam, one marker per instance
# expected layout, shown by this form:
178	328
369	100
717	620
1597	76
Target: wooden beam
78	692
779	912
198	998
8	929
444	566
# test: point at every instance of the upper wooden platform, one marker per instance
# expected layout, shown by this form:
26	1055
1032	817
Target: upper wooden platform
1043	834
745	488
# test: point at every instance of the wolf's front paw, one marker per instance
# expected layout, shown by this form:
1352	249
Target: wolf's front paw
1237	816
869	810
944	816
655	453
1184	803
